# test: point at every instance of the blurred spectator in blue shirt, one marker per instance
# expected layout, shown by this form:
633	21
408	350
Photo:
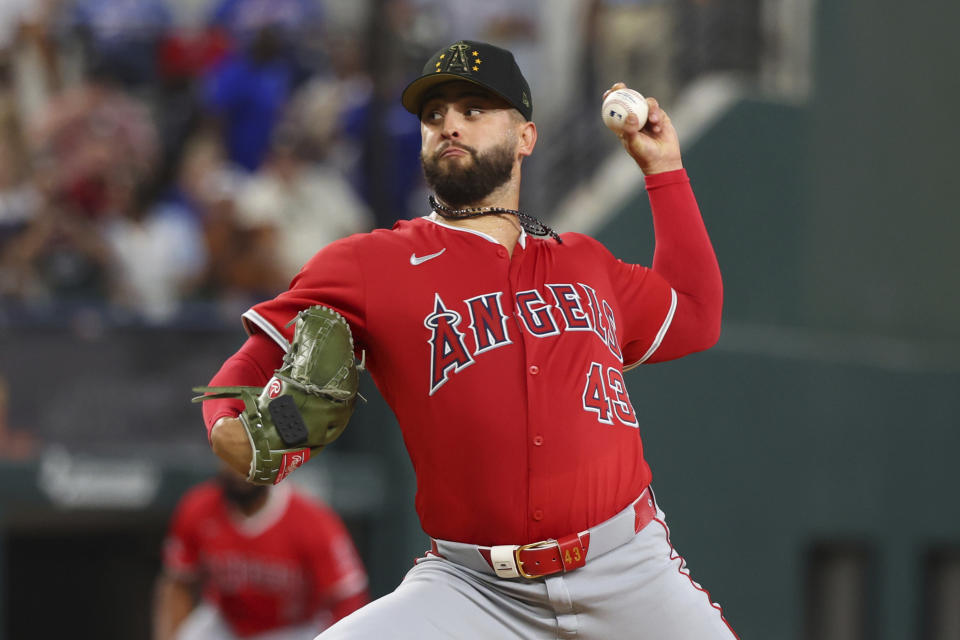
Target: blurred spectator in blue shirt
382	139
400	145
298	24
248	92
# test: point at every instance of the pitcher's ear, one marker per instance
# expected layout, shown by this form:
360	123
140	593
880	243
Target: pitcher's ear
528	138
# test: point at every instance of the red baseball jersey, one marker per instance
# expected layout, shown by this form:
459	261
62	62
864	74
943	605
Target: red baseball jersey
285	565
505	372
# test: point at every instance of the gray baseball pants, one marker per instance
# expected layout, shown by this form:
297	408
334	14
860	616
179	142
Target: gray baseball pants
639	590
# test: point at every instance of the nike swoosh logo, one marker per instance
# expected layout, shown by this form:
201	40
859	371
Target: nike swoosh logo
414	260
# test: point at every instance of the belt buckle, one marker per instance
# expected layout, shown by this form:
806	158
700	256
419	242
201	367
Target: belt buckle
532	545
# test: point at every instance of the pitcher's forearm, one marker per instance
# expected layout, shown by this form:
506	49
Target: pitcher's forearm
231	444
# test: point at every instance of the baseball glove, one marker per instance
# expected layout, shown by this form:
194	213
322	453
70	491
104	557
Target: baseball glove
306	404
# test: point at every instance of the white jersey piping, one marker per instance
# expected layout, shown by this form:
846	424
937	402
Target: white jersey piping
660	334
254	318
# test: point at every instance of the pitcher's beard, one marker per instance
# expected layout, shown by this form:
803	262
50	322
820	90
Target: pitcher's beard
460	184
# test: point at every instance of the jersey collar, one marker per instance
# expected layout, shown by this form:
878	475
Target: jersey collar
434	218
269	514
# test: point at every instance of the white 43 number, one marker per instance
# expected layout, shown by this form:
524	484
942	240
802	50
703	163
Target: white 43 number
606	395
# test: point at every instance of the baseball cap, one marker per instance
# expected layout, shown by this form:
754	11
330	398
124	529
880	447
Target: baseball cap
483	64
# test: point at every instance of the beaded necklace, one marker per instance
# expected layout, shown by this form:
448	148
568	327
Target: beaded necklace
530	224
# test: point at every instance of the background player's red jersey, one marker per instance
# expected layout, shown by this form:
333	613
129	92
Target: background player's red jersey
291	562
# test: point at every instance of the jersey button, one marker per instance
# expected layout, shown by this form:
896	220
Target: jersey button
534	369
538	515
537	440
502	252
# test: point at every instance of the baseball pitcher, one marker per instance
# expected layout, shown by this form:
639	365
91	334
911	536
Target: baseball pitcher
501	347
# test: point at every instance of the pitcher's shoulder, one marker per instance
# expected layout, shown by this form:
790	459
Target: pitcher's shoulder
574	241
401	233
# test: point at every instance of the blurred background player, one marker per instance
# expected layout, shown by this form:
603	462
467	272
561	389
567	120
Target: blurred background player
245	561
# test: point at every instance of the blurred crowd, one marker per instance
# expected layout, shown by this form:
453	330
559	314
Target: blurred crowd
159	152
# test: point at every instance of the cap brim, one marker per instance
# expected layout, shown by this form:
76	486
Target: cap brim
412	97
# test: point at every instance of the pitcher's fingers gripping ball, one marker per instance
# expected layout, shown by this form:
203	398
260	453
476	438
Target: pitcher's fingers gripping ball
306	404
620	103
646	131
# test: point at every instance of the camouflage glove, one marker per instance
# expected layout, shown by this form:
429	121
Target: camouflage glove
307	402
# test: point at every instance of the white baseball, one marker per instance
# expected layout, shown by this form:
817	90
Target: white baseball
621	103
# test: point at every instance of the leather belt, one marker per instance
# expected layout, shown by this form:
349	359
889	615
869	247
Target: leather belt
547	557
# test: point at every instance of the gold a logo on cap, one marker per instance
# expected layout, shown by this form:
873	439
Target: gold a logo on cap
457	60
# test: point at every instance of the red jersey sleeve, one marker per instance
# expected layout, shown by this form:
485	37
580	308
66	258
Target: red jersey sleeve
673	308
332	278
684	257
